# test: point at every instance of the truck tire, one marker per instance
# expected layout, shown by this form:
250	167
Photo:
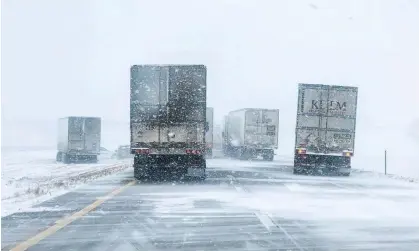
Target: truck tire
58	158
243	154
137	173
65	158
204	166
93	159
269	157
140	171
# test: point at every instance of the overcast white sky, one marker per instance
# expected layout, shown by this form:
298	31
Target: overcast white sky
63	58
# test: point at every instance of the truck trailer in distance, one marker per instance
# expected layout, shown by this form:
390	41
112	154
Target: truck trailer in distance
217	143
325	129
123	152
168	120
209	135
78	139
250	133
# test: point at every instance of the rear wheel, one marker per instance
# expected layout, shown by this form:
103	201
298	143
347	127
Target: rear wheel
140	167
93	159
59	158
65	158
245	154
208	153
269	157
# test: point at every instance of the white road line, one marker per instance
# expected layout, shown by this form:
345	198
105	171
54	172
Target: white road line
290	237
238	188
265	220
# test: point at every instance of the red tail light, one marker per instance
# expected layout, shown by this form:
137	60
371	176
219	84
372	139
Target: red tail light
192	151
142	151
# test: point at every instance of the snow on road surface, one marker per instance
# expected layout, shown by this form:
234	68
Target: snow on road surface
242	204
367	210
30	177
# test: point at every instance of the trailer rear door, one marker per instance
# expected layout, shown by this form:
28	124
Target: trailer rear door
326	118
168	105
92	129
261	128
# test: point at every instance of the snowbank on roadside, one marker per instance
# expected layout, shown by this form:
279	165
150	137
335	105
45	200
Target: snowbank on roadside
30	177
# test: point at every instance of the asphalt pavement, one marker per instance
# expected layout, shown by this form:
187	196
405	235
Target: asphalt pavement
241	206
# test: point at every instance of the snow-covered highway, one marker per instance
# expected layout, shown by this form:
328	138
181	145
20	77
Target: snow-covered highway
241	206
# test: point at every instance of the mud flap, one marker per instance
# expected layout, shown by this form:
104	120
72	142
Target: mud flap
344	171
195	172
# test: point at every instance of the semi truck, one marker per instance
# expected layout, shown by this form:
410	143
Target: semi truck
209	135
78	139
250	133
168	120
123	152
325	129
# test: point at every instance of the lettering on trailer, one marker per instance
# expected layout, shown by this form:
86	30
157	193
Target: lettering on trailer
342	138
334	106
270	130
264	120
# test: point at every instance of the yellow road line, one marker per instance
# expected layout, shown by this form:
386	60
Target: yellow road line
59	224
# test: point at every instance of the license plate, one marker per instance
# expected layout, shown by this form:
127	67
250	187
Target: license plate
196	172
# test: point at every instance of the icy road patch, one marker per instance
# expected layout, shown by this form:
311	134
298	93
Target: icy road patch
31	177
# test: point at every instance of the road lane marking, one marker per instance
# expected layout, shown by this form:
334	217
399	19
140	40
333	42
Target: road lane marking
290	237
59	224
238	187
265	220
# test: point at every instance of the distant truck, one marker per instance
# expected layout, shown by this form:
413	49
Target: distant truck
217	145
78	139
209	135
123	152
168	120
250	133
325	129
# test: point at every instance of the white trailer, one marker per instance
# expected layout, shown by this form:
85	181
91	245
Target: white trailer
325	128
251	132
217	145
78	139
168	124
